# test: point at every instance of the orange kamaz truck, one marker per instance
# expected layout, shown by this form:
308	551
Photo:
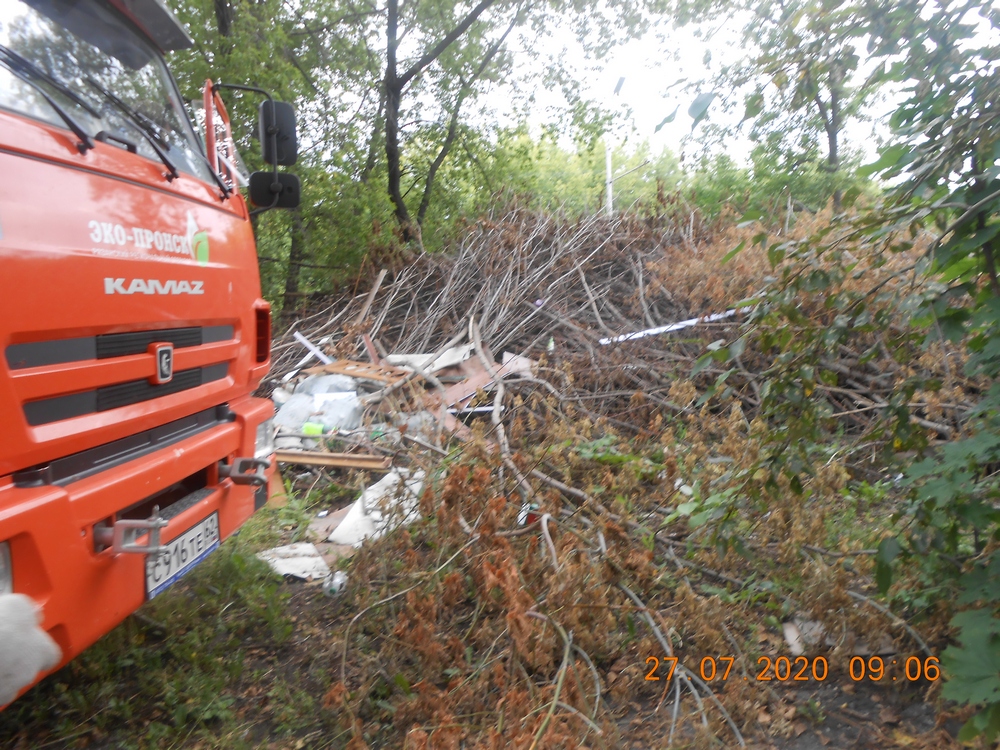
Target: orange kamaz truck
132	328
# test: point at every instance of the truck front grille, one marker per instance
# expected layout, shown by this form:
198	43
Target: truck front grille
109	345
114	396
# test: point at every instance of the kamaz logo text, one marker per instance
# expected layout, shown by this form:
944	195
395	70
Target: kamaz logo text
152	286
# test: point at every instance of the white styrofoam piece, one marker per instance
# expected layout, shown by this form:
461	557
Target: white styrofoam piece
516	364
456	355
301	560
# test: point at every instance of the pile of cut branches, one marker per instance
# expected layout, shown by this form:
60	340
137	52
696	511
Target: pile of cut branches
574	293
609	516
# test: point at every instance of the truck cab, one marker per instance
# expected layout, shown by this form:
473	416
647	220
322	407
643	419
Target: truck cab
132	328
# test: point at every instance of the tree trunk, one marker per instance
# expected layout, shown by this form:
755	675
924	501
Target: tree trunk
833	131
449	139
393	93
453	124
223	16
394	85
296	256
370	162
989	256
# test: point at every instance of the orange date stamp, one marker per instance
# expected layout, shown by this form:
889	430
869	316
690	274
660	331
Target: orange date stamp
801	669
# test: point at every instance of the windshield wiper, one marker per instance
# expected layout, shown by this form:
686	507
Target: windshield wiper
144	125
28	73
26	66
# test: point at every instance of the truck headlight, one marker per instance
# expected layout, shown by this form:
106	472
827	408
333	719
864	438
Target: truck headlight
6	571
264	446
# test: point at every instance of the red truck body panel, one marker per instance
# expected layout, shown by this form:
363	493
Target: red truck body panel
101	257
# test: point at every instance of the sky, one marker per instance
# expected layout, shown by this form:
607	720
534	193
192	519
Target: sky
656	69
652	67
661	73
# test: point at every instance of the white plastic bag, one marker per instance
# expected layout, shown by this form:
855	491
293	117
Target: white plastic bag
25	649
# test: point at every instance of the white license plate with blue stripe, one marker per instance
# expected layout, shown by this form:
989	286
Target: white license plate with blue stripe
181	555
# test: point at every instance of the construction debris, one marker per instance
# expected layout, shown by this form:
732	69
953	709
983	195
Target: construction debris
333	460
431	363
388	504
301	560
361	371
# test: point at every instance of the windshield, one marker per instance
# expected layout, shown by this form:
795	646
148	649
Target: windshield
100	71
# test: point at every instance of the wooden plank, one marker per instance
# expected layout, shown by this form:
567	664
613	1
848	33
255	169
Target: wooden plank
371	297
364	370
335	460
370	348
460	394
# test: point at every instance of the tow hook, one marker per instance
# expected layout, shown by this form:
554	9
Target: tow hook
242	471
121	536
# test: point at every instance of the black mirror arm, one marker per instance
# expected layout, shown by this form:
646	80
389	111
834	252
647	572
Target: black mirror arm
271	131
277	195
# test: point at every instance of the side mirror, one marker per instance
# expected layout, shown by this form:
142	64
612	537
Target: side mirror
266	193
277	133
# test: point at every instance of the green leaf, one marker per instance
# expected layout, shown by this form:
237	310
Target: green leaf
967	266
982	583
850	196
889	158
733	253
754	105
985	723
736	348
668	119
888	549
703	361
403	683
973	669
699	107
750	217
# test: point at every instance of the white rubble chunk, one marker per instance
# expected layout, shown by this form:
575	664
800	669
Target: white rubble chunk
388	504
456	355
300	560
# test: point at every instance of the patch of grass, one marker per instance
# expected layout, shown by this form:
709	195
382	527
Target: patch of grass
185	670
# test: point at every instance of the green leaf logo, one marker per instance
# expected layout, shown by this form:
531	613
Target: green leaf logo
198	239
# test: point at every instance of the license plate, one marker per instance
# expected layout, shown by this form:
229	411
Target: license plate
182	554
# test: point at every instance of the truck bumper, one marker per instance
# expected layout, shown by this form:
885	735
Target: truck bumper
84	590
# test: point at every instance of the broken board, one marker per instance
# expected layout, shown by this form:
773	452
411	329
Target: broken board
335	460
360	370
